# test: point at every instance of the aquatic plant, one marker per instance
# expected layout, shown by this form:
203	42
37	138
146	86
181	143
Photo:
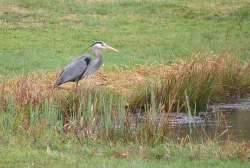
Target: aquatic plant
103	113
194	84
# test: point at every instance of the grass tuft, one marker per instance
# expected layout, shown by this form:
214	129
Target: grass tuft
140	114
194	84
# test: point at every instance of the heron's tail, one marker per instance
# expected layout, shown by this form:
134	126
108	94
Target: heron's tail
57	83
55	86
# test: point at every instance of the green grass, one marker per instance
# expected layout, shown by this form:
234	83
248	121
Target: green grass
38	158
25	152
46	35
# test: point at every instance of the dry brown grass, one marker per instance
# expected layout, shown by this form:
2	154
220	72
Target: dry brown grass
233	79
188	83
70	17
221	151
233	150
94	1
13	8
220	7
195	83
124	81
18	17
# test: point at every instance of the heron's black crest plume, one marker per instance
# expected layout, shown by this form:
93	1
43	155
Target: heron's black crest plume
97	42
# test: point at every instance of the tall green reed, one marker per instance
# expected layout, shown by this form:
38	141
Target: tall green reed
102	114
203	80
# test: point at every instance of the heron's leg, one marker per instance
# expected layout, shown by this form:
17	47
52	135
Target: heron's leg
76	87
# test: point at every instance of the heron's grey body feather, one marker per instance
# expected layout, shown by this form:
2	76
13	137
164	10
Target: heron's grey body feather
93	66
75	70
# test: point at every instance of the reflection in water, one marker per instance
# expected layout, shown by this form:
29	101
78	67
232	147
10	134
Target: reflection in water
222	121
239	122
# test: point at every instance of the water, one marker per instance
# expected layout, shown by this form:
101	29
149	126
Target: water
222	121
238	117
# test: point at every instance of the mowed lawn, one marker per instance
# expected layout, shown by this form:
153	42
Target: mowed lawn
47	152
45	35
23	157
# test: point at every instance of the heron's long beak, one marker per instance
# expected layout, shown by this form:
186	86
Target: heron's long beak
111	48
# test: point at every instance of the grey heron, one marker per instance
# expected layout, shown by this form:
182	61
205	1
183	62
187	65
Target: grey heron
83	66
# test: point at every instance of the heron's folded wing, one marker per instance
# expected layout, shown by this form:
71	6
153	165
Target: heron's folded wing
82	57
93	66
74	70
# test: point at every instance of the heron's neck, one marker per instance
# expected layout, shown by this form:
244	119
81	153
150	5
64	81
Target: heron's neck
98	53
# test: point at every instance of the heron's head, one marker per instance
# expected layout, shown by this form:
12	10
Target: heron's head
100	45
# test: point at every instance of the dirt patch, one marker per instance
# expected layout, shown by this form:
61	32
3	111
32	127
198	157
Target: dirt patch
222	8
14	16
12	8
94	1
70	17
14	25
16	9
